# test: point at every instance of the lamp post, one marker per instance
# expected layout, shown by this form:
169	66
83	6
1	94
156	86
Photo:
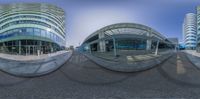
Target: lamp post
156	52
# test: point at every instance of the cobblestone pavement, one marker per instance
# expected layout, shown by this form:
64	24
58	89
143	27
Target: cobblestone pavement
80	78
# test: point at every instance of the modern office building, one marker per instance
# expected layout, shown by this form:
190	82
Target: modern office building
125	36
198	28
174	42
189	31
31	28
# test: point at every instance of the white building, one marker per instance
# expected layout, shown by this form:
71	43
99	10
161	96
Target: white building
198	29
189	31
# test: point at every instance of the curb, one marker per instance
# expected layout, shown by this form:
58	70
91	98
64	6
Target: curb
191	60
30	75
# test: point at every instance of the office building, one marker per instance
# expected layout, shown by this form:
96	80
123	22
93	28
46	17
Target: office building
126	36
189	31
31	28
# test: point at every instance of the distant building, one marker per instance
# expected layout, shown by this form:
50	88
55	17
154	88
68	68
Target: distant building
198	29
174	42
189	31
181	46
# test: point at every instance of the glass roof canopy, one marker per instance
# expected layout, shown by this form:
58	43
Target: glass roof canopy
129	29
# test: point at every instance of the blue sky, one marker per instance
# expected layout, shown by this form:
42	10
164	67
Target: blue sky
83	17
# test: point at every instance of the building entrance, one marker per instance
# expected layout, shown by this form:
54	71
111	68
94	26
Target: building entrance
31	50
28	47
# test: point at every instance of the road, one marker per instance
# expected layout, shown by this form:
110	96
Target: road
80	78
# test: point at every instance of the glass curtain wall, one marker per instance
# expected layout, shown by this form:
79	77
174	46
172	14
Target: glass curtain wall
28	47
127	44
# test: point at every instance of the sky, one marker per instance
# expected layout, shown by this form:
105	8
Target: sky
83	17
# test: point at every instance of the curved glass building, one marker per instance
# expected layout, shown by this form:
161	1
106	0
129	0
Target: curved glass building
31	28
127	47
198	29
126	36
189	31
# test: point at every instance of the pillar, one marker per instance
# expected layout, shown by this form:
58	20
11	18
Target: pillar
102	43
20	47
149	42
157	45
4	47
51	48
148	46
89	48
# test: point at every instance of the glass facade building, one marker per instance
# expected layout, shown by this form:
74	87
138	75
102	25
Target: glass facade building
31	28
198	28
189	31
125	36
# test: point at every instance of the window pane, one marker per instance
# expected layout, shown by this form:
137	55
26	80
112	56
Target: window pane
29	29
43	33
37	32
48	35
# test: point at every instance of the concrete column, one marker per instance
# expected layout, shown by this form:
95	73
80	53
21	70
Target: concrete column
20	48
102	43
148	46
157	45
149	42
26	50
89	48
29	50
175	47
4	47
51	48
40	47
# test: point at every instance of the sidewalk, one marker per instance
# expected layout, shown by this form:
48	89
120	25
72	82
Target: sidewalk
193	56
192	52
29	57
130	63
131	56
31	66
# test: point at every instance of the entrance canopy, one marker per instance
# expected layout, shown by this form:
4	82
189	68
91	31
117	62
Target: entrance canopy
125	35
